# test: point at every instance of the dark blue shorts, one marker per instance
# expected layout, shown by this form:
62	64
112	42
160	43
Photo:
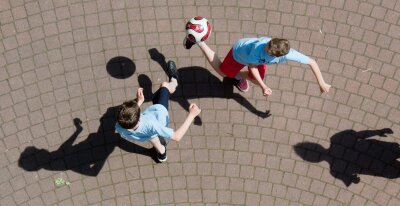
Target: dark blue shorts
161	97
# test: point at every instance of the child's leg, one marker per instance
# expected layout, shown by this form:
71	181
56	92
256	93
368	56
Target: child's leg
157	144
228	68
212	58
162	96
247	75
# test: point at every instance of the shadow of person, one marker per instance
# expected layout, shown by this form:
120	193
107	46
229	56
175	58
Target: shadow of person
86	157
198	82
351	153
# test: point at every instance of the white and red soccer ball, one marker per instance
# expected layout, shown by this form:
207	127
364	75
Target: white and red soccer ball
198	29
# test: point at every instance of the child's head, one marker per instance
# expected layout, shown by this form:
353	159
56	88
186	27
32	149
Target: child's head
128	114
277	47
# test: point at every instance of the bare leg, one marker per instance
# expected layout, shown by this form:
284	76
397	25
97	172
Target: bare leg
212	57
157	144
245	75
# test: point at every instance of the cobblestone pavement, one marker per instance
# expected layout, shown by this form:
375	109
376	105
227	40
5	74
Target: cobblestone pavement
60	80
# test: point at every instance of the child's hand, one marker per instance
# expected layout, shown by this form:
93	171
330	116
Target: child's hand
325	87
140	96
266	91
194	109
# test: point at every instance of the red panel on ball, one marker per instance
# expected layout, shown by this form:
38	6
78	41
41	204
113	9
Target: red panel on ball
208	32
195	27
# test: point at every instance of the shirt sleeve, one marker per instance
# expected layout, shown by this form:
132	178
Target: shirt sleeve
123	132
163	131
296	56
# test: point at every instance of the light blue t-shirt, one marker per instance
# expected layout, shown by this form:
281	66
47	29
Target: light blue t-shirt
153	122
252	51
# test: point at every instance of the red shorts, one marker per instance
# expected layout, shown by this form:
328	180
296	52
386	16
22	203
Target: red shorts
230	67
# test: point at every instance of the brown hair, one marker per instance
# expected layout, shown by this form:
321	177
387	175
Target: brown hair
278	47
128	114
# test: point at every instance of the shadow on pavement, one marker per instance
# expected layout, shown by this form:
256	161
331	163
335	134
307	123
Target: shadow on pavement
120	67
351	153
197	82
86	157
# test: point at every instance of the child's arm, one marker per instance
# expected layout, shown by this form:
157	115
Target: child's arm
323	86
296	56
194	110
256	74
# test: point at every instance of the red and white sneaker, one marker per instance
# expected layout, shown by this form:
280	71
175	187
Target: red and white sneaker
242	84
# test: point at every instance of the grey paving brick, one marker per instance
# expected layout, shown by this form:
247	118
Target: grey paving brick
55	57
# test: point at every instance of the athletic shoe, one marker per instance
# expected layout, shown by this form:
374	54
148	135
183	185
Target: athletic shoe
187	43
162	157
172	71
242	84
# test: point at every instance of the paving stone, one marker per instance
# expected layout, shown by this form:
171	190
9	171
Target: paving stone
55	58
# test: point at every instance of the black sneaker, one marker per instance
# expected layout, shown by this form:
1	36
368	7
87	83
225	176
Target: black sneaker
162	157
172	70
187	43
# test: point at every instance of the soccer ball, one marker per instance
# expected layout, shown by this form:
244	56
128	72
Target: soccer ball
198	29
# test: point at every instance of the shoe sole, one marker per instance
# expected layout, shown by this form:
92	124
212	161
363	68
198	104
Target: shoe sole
243	90
164	160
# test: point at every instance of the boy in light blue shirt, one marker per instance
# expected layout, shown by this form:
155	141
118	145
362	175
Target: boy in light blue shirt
252	51
256	53
152	124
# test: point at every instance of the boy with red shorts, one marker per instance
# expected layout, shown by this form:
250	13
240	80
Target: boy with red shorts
256	53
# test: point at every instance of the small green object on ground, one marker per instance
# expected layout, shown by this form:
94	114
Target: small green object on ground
61	182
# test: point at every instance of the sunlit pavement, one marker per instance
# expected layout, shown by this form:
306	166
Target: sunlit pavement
65	65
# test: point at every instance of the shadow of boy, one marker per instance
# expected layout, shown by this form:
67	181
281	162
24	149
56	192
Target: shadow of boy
86	157
351	153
